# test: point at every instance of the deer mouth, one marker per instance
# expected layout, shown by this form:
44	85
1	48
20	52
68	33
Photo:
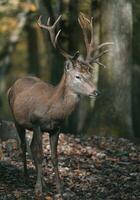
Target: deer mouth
91	96
95	94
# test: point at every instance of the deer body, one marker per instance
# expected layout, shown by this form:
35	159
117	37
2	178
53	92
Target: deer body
42	107
44	103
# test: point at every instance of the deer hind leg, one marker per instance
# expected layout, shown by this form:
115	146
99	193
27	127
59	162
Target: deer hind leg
21	133
53	144
37	154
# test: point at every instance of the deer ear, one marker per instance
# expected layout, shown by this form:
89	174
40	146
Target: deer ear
68	65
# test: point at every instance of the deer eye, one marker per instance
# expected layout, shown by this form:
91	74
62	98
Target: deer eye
78	77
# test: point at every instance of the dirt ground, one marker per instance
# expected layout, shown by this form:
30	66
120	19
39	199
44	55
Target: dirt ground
95	168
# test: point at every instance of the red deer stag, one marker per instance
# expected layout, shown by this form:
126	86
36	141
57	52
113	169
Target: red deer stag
42	107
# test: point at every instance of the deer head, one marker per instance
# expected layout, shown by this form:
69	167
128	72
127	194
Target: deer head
77	69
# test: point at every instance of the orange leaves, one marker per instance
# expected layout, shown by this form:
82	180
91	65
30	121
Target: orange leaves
28	7
8	24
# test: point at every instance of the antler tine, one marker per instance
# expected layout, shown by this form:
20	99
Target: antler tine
48	21
50	28
96	58
91	43
64	53
81	20
53	36
91	29
87	24
99	55
103	45
56	37
100	64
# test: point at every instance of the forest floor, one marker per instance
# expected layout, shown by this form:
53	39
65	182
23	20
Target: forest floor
95	168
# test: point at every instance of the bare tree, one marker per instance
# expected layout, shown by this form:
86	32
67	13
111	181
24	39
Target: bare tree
54	60
112	113
33	54
136	68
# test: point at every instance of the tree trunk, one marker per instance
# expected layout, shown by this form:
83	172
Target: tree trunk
54	59
136	69
112	113
73	46
86	120
73	26
86	105
33	54
136	99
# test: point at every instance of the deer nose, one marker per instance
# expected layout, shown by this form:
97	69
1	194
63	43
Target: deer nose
96	93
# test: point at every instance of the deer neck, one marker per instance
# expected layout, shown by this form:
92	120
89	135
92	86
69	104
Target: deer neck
66	94
64	99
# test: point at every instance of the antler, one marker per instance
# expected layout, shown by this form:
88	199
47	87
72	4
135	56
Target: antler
87	25
53	36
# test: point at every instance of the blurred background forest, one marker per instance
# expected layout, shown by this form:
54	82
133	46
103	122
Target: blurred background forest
26	49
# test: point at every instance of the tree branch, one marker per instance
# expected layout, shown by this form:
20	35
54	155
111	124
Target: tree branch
5	55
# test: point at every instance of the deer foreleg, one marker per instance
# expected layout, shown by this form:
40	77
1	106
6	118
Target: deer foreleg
21	133
53	144
37	154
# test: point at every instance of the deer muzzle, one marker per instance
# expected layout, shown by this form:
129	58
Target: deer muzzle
95	93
